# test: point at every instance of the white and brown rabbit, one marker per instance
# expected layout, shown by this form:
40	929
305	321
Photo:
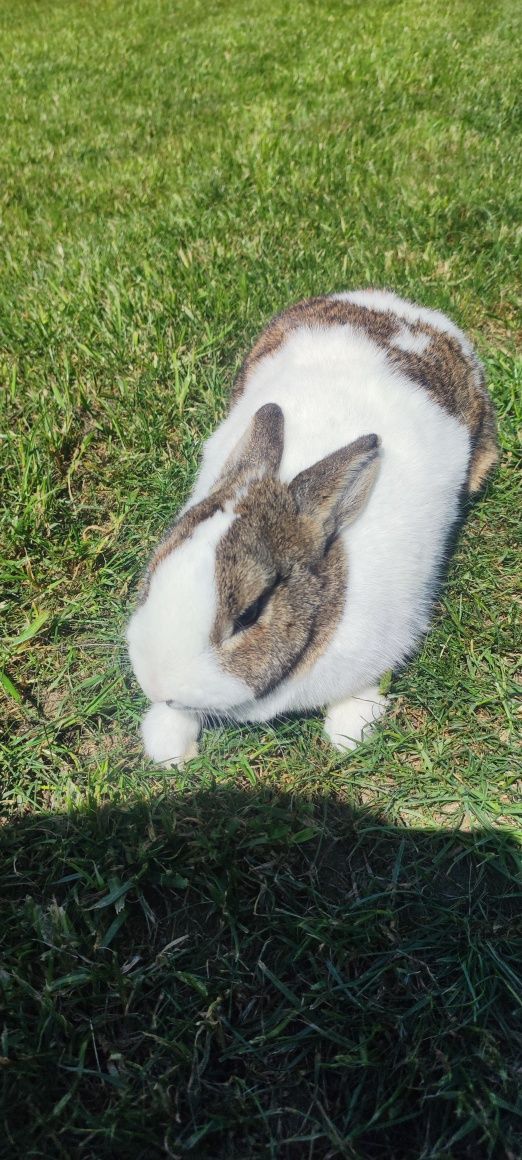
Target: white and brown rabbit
306	562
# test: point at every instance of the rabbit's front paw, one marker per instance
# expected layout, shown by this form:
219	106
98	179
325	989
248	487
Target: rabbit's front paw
169	737
351	721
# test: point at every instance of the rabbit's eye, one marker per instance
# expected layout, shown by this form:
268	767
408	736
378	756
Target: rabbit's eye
249	616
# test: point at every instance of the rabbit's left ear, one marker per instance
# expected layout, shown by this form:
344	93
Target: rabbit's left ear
258	452
334	490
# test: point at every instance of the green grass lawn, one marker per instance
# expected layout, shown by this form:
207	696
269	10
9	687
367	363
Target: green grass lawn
278	952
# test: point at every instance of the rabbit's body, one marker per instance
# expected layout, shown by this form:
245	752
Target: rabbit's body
338	368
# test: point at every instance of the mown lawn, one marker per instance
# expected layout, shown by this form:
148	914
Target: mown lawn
278	952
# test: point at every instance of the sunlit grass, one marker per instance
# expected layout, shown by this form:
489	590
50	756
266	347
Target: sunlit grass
278	951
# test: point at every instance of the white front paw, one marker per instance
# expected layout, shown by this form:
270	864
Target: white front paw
169	737
351	721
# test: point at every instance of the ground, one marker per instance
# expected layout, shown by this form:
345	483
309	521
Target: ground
279	951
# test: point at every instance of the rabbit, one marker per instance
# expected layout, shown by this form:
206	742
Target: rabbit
306	562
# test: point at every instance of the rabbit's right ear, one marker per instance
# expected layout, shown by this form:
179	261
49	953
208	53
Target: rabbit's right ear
333	491
258	452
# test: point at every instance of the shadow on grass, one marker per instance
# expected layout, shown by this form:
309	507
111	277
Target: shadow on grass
242	973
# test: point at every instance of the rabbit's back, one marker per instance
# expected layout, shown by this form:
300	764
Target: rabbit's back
344	365
422	346
340	367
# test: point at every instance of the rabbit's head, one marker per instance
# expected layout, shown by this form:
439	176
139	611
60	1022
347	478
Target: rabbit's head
247	587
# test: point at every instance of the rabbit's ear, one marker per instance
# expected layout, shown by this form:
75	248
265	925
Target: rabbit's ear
333	491
258	452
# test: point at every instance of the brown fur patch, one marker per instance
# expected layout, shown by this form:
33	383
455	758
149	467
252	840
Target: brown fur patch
485	454
258	452
271	539
449	375
333	490
333	574
446	373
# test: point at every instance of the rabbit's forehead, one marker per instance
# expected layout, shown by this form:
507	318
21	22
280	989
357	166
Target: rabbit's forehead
265	538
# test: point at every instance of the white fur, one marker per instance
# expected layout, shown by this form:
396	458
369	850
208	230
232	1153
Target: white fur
407	340
384	300
169	737
168	636
333	385
351	721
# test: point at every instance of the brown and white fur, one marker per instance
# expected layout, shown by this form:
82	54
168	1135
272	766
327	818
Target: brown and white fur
306	562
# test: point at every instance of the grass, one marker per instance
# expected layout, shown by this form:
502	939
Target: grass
277	952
